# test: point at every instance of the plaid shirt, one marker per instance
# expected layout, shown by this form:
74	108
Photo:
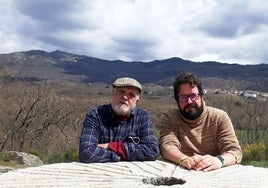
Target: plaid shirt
102	126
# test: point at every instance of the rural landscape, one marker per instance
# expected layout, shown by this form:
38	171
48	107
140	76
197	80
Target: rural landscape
45	96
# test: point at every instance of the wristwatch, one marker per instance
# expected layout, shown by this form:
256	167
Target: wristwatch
221	159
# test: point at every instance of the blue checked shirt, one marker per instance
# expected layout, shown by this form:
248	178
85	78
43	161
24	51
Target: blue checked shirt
102	126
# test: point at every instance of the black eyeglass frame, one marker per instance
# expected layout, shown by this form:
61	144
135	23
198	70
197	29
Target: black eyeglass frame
192	96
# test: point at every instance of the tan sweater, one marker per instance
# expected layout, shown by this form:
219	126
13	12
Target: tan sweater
212	133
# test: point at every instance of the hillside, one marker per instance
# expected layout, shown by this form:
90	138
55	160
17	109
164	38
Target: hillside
58	66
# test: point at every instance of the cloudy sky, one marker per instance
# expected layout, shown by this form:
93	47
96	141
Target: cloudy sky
228	31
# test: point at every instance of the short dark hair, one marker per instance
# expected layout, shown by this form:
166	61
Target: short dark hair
186	78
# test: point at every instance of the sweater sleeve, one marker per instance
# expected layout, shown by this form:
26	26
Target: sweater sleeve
118	147
168	139
227	139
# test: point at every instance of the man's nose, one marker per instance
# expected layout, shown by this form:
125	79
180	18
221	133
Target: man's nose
189	100
125	96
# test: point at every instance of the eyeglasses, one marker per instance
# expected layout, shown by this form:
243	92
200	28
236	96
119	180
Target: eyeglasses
193	97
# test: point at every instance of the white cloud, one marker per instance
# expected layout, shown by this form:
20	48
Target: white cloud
137	30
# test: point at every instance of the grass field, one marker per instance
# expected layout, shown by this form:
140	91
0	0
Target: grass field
257	163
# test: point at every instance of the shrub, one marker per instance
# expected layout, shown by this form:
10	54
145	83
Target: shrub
4	157
67	156
255	152
34	152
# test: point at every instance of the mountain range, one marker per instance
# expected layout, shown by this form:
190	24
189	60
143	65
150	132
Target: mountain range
60	66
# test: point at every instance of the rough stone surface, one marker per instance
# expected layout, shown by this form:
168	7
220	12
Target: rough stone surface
4	169
24	158
133	174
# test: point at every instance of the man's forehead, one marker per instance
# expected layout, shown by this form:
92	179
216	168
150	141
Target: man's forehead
187	86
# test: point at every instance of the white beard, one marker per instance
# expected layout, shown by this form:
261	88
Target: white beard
121	109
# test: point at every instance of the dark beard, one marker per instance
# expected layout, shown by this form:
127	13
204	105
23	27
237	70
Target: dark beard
192	115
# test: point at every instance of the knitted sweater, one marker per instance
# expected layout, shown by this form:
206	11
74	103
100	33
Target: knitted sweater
212	133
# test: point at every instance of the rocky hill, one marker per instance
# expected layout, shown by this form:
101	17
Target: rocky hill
59	66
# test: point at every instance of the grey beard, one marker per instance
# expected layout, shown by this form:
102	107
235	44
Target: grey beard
121	112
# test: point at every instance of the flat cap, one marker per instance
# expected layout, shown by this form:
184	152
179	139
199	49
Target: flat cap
126	81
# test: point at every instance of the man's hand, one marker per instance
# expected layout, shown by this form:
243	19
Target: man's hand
188	163
105	145
206	162
202	163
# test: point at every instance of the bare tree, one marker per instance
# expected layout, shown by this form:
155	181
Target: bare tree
37	109
256	115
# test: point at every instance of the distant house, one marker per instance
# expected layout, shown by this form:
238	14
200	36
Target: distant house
249	94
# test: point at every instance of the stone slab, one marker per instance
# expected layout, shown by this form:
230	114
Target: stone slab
133	174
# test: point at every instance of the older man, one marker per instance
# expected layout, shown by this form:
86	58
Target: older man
119	131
